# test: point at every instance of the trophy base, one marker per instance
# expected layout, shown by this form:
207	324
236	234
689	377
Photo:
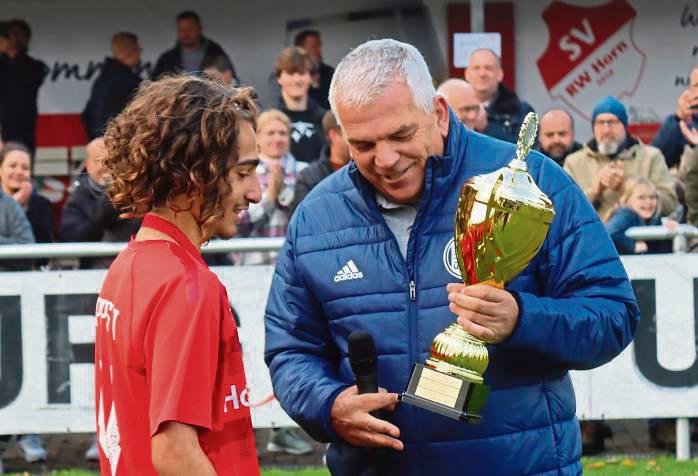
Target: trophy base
445	394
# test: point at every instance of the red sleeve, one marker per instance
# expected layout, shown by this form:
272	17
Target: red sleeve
181	351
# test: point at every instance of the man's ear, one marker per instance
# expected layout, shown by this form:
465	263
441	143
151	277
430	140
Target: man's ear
441	112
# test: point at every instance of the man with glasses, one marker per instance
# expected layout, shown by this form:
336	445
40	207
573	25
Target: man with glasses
612	156
460	96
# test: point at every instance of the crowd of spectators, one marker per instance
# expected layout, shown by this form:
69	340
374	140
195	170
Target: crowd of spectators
300	143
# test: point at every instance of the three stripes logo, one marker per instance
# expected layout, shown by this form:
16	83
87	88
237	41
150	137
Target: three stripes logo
348	271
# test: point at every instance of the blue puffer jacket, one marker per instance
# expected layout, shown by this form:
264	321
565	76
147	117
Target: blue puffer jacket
577	311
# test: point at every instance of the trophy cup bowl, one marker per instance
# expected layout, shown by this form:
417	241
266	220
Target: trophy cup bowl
501	221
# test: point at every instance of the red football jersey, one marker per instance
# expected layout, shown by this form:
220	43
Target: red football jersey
167	349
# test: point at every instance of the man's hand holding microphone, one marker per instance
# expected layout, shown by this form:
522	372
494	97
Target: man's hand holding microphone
356	412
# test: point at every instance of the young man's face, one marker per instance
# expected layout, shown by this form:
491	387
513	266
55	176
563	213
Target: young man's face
295	85
244	184
391	139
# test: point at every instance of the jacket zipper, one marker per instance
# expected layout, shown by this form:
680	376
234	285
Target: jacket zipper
413	291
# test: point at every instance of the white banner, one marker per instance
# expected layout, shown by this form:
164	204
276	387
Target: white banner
47	347
47	336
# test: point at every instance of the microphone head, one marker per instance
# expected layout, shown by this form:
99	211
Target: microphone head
362	353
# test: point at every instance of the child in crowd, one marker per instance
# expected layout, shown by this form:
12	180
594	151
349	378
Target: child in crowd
637	207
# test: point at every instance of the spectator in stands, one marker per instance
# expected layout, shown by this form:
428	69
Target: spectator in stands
14	224
612	156
637	207
669	138
505	111
21	78
556	135
89	215
334	157
277	172
311	42
688	172
460	96
293	74
15	228
192	50
16	181
219	66
115	85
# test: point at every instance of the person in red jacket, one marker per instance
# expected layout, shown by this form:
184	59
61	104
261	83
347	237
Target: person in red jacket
171	394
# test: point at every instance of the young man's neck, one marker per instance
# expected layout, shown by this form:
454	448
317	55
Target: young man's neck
183	220
295	104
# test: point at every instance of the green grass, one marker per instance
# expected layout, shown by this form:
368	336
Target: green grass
632	467
592	467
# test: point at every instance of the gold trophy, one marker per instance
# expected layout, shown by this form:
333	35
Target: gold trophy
501	222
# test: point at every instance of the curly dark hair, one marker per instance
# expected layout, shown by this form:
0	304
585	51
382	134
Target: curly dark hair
177	137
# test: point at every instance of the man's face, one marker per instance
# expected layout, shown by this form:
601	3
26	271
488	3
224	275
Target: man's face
484	73
391	139
96	151
273	139
189	33
15	170
313	46
466	106
295	85
133	57
18	38
556	134
339	147
609	133
244	183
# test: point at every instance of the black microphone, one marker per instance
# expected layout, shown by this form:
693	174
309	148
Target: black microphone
362	356
364	364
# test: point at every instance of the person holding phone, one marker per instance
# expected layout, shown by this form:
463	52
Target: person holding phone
670	139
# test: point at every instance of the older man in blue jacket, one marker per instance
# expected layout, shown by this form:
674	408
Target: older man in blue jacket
387	218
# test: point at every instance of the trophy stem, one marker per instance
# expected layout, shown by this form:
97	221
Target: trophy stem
456	352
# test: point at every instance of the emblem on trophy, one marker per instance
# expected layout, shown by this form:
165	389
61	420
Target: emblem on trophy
501	222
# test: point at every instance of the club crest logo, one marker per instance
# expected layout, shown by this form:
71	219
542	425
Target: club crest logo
450	259
591	53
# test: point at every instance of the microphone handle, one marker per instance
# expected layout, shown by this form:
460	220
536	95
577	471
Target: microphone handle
368	384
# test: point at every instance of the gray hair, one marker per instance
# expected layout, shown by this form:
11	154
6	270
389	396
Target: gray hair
369	69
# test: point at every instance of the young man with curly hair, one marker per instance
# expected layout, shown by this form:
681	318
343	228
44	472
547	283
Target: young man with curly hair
170	393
